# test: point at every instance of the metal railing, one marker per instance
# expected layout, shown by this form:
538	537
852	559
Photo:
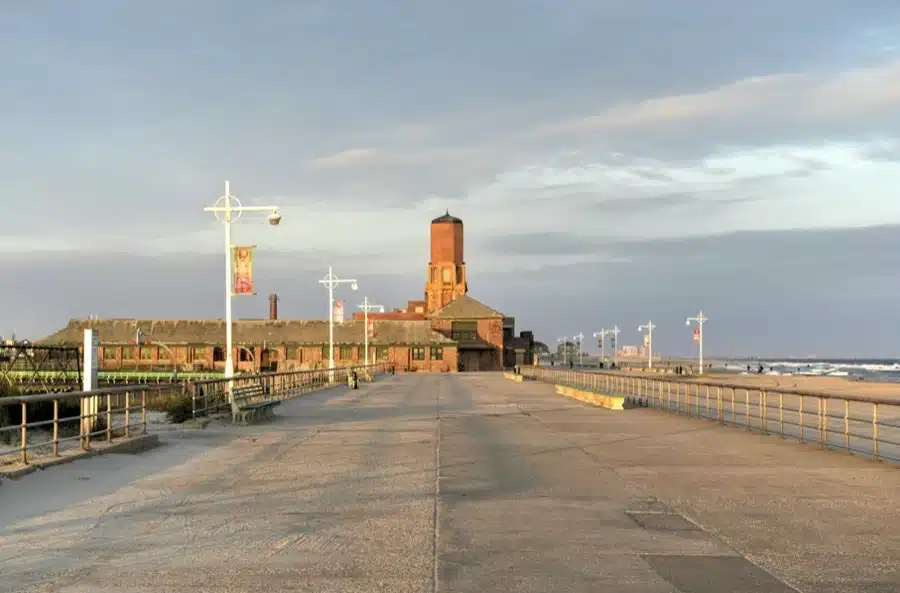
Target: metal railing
660	366
105	413
212	396
856	424
135	376
73	419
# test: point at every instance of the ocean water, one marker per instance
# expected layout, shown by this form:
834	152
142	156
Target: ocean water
883	370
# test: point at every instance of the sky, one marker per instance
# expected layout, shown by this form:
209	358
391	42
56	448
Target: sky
614	162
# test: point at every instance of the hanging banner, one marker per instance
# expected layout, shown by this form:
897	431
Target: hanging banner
339	311
243	269
696	334
371	329
646	339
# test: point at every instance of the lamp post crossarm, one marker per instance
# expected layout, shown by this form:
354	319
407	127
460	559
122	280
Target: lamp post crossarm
333	281
240	208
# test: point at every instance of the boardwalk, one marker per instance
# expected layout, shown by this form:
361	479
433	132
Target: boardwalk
457	483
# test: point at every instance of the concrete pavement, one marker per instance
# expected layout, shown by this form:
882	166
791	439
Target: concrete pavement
464	483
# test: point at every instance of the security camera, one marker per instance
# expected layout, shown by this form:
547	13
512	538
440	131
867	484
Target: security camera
274	219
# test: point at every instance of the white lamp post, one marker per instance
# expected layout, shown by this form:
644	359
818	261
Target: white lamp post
602	336
649	327
331	282
227	210
700	319
578	339
615	332
366	307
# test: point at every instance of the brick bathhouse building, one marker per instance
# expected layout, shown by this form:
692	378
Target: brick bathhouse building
447	331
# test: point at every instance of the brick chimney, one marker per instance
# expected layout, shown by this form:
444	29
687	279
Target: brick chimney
273	307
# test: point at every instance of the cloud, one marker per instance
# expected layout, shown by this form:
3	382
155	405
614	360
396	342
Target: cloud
582	195
346	158
886	150
806	97
772	188
368	158
548	243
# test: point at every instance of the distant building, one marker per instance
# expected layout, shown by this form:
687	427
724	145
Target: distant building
446	331
486	339
266	344
626	351
566	351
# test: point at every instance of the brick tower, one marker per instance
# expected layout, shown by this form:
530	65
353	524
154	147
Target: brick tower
447	268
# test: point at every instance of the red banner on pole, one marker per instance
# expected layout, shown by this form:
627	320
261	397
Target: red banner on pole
242	260
696	334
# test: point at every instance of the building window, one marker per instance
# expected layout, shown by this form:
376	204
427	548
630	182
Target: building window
325	352
218	354
162	353
346	352
146	353
464	331
381	352
128	353
197	353
245	354
447	275
437	353
109	353
292	353
459	278
418	353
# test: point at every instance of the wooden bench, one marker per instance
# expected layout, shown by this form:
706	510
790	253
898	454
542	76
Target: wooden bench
245	410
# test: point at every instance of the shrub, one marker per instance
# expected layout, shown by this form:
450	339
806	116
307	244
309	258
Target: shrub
178	407
6	416
7	389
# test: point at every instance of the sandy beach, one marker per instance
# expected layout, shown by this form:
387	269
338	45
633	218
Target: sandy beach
818	384
835	385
